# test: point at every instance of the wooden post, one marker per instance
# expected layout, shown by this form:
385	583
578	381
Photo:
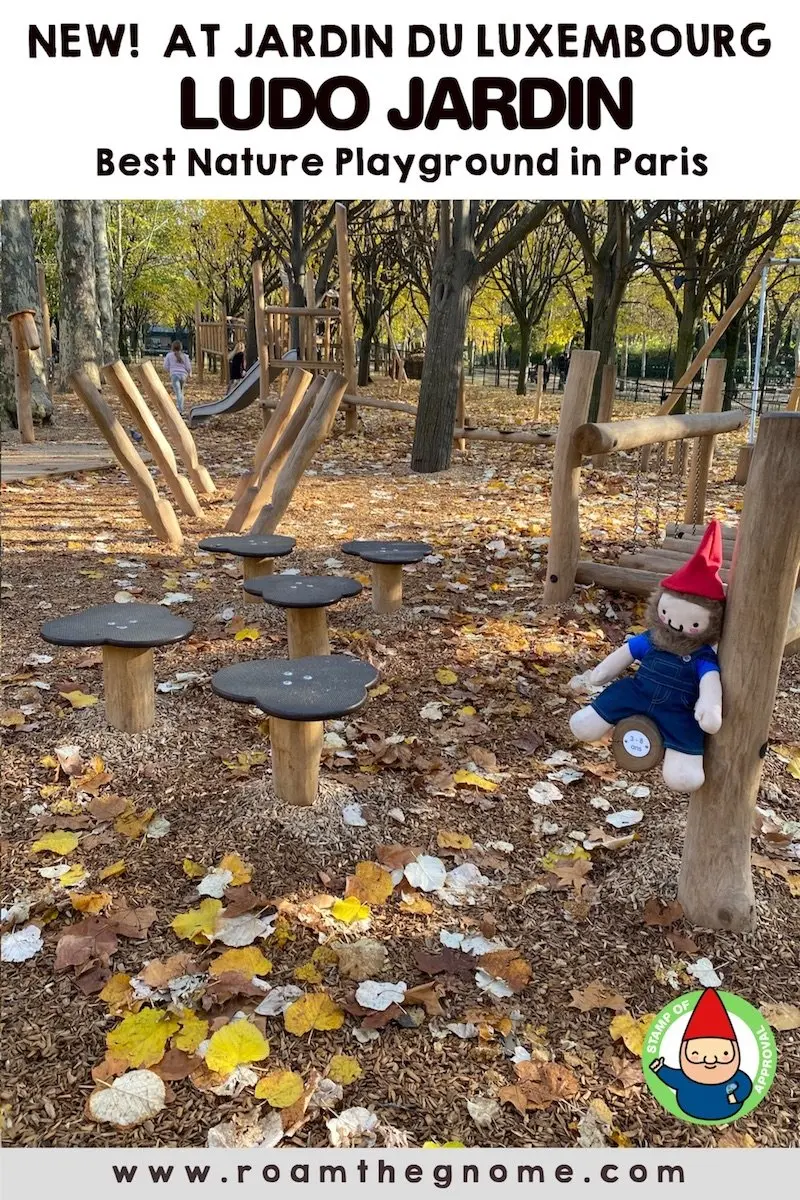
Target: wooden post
348	322
47	340
259	490
159	513
793	403
129	688
565	530
254	568
296	751
537	403
314	433
198	341
461	418
296	386
176	428
22	376
308	632
715	886
743	461
608	384
703	448
261	336
387	587
117	375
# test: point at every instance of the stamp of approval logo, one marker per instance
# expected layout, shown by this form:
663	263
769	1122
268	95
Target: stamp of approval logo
709	1057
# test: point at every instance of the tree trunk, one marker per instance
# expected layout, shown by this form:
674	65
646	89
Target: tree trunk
684	349
102	273
732	339
524	357
451	297
604	331
78	308
19	289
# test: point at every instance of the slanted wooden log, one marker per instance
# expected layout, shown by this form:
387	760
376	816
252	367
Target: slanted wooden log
565	530
605	411
117	375
262	344
129	688
715	885
22	376
595	438
296	748
315	431
618	579
176	428
158	513
296	387
348	320
702	450
259	492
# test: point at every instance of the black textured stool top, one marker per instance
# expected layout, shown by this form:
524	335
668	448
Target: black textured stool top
318	688
265	545
388	552
302	591
132	625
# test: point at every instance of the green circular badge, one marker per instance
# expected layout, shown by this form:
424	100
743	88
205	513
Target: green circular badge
709	1057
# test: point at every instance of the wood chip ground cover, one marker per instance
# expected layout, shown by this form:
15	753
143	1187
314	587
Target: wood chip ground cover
471	639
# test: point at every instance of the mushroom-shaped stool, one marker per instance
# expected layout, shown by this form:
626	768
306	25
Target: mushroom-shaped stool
305	598
127	633
387	560
255	550
298	695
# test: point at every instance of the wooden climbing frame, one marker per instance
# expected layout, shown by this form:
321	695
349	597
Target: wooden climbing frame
212	342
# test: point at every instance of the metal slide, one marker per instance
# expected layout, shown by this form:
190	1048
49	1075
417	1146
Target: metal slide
240	396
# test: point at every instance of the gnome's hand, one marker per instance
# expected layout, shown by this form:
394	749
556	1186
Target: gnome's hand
708	716
581	683
656	1064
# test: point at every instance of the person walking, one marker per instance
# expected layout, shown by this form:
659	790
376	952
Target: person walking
179	368
237	365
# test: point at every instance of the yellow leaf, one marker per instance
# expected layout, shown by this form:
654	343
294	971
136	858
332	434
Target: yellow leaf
115	868
50	761
282	933
79	699
363	579
192	1032
350	910
198	924
141	1038
344	1069
370	884
453	841
118	994
236	1043
443	1146
417	904
380	690
193	869
281	1089
472	779
91	902
63	807
553	858
59	842
791	756
446	676
241	872
247	635
132	824
324	956
314	1011
467	711
248	961
75	875
631	1030
11	718
307	973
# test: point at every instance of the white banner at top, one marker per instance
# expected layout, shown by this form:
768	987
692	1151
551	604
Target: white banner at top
546	100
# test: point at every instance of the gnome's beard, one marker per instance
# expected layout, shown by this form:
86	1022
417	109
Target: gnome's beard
664	637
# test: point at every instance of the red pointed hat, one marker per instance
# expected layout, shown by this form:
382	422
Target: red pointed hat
709	1019
700	575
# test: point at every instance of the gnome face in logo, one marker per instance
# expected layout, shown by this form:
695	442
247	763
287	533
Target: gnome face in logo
710	1059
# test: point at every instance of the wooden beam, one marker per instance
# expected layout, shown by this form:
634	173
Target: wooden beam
22	378
682	529
537	403
715	885
689	544
629	435
158	513
348	320
702	450
618	579
374	402
664	562
130	398
565	530
129	688
288	310
176	428
522	437
314	433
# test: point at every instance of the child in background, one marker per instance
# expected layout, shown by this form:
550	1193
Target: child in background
179	368
237	364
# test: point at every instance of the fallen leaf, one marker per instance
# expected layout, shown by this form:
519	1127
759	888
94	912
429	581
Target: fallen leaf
198	924
656	912
278	999
446	676
781	1016
78	699
631	1030
370	884
192	1032
280	1089
703	971
116	868
472	779
512	1093
106	808
130	1100
132	922
132	824
21	944
453	841
193	870
247	635
344	1069
247	961
596	995
237	1043
91	902
118	994
360	960
350	910
374	994
241	930
314	1011
426	995
507	965
241	872
158	973
60	842
546	1082
426	873
483	1111
141	1038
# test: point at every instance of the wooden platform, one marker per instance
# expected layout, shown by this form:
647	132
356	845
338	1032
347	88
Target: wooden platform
18	463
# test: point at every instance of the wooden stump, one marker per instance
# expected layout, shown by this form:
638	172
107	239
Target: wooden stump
22	377
743	464
251	569
308	632
129	687
387	587
296	752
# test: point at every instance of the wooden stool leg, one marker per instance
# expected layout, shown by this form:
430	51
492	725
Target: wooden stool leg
296	752
129	686
387	587
308	632
251	569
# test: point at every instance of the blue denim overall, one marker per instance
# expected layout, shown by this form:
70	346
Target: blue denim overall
665	688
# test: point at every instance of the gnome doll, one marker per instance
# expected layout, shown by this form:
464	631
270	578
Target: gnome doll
709	1083
678	683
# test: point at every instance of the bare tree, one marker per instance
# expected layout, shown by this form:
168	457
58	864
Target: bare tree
19	290
378	275
79	320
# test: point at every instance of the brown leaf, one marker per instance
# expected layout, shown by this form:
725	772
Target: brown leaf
512	1093
545	1082
447	962
92	978
176	1064
226	986
394	857
572	873
426	995
241	900
626	1072
507	965
682	944
106	808
87	940
158	973
109	1068
132	922
596	995
378	1020
657	913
